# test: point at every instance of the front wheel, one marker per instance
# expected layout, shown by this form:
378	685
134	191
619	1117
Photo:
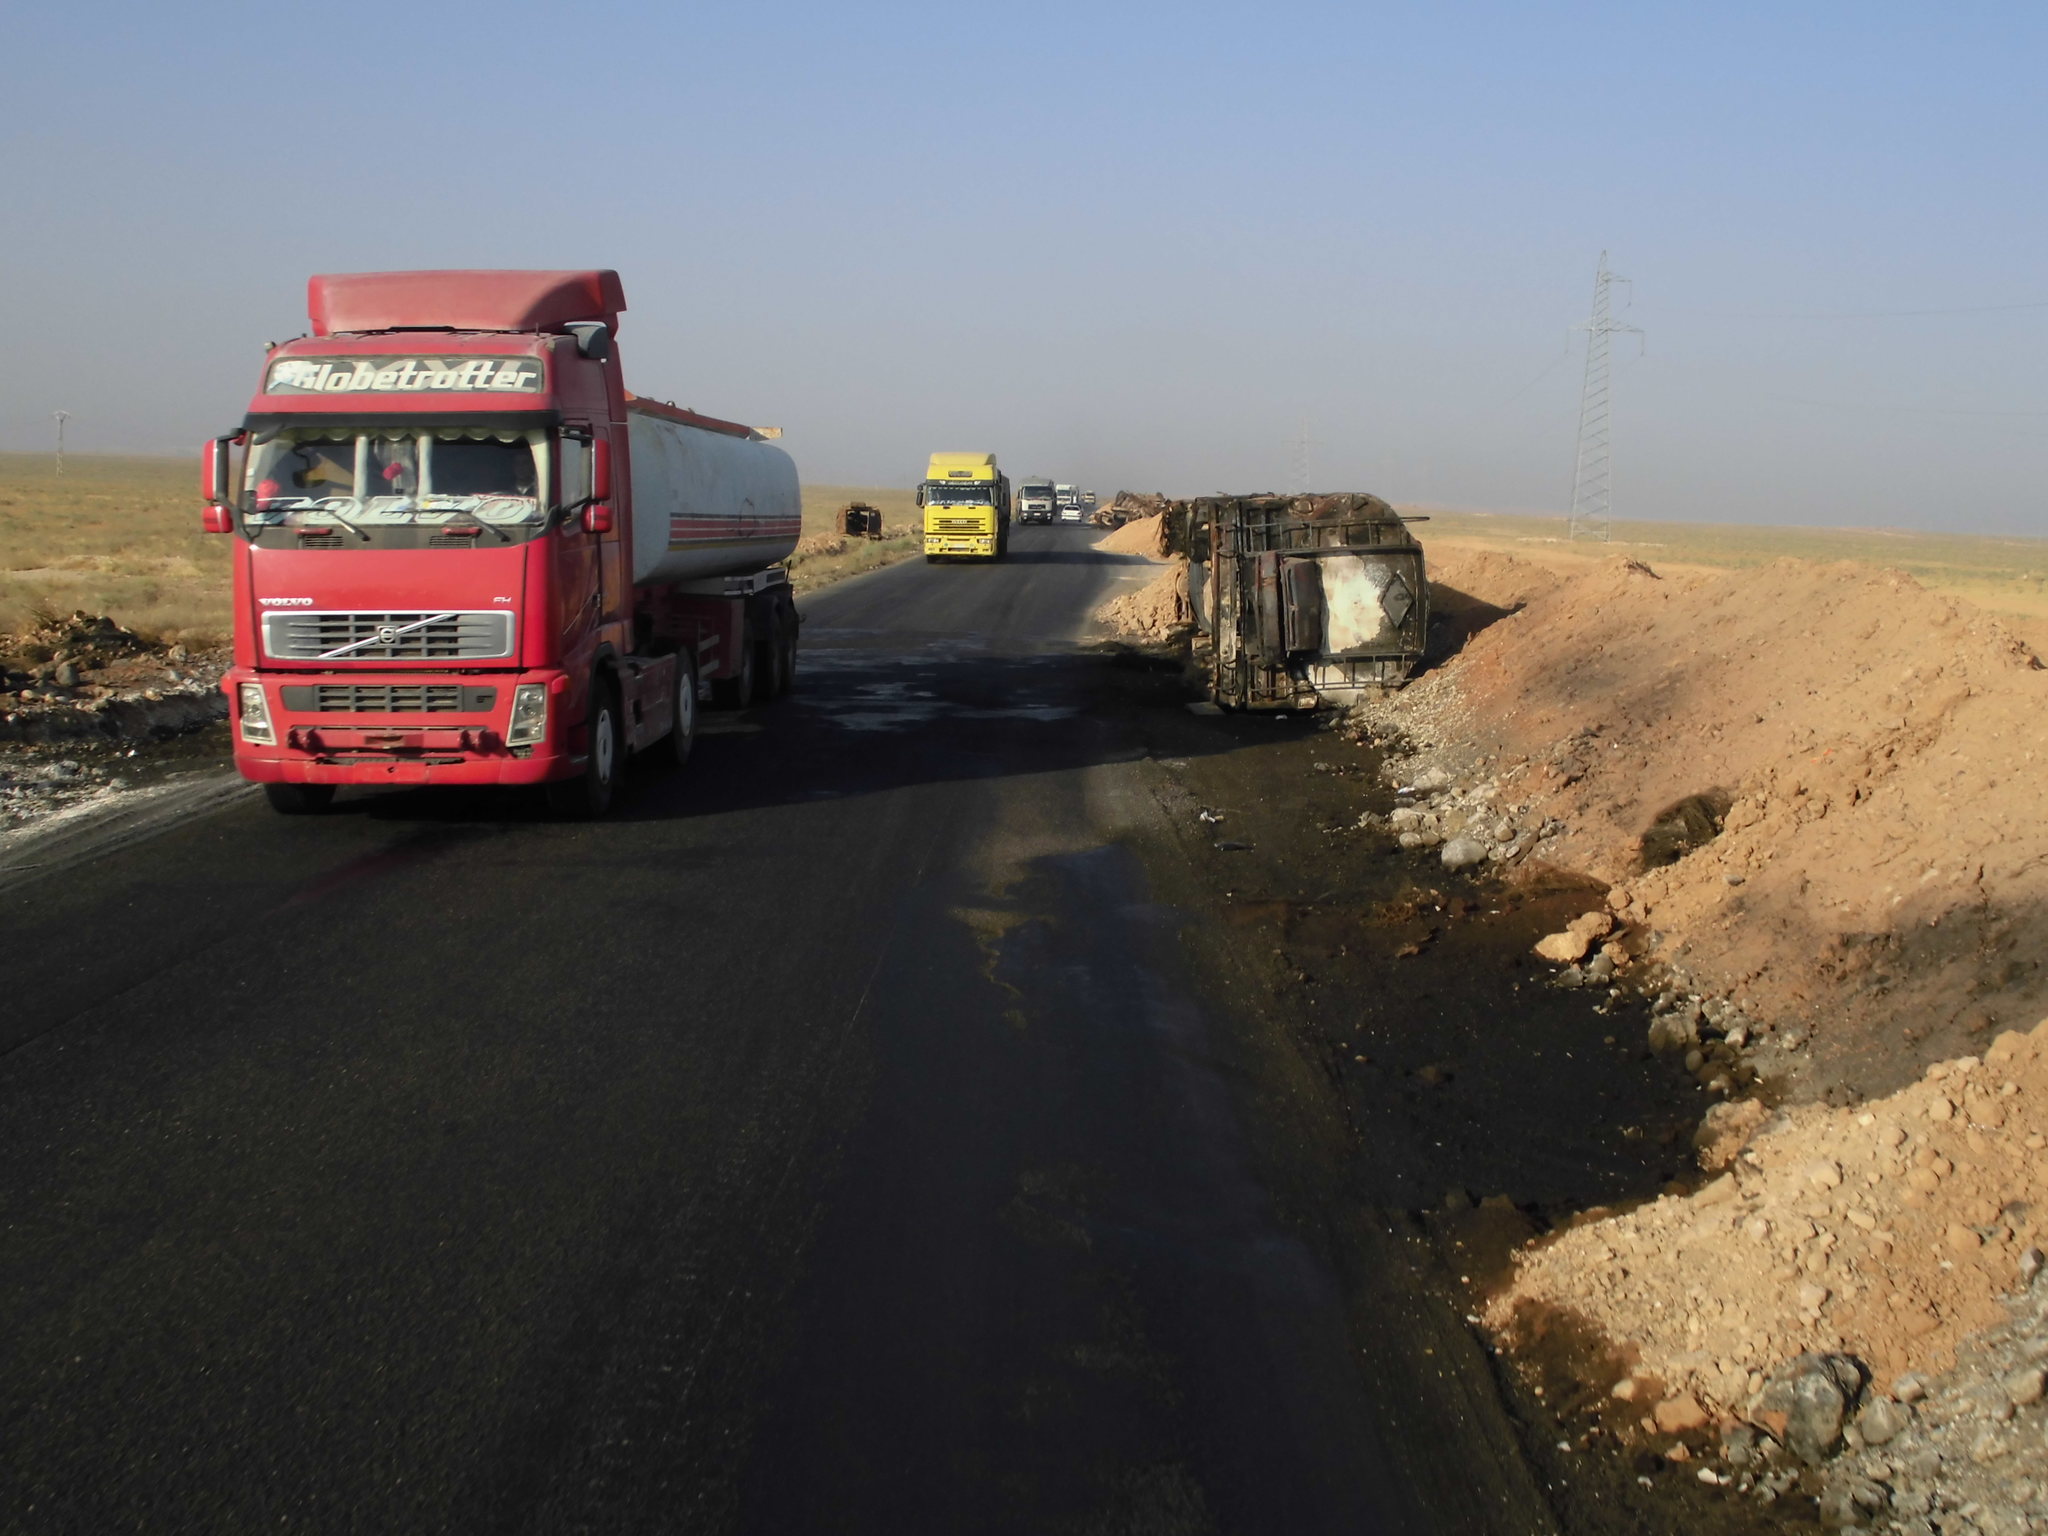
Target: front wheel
589	795
299	799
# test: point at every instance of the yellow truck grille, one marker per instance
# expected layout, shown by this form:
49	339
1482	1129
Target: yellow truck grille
959	525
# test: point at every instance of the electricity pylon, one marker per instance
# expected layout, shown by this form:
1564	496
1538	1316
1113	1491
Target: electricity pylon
1298	467
1592	481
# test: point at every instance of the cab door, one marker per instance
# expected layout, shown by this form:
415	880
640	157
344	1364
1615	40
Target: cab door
579	588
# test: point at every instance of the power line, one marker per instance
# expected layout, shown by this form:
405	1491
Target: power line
1857	314
1901	410
1548	369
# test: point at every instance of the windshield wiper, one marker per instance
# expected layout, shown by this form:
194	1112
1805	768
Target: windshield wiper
351	527
503	536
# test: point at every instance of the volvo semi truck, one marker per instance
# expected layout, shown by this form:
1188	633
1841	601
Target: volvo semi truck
465	553
966	501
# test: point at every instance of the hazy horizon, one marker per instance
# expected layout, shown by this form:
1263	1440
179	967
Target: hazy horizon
1127	246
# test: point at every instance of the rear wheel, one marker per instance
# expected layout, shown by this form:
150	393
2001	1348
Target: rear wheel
299	799
737	691
683	738
787	645
589	794
777	666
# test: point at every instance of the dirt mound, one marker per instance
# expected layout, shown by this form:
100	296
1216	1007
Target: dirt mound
1887	1234
83	677
1141	536
1487	578
1155	611
1880	875
81	638
817	545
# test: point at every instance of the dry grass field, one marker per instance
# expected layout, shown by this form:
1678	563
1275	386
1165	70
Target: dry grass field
2007	576
825	556
112	535
120	535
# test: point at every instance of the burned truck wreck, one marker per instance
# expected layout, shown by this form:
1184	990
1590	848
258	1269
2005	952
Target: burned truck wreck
1304	600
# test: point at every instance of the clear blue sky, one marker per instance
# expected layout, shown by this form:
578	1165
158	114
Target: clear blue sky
1127	244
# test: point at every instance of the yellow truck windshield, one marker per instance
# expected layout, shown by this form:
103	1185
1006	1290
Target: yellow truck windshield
945	493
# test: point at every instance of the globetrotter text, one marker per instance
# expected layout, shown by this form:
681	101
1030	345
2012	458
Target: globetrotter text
377	375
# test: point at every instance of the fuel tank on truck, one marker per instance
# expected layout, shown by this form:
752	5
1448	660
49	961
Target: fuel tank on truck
710	497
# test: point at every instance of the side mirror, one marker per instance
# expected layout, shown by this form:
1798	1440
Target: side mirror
597	517
593	339
920	495
601	470
216	483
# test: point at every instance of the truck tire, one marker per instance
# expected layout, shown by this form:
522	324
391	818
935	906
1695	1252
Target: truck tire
682	740
589	795
737	691
776	669
299	799
788	646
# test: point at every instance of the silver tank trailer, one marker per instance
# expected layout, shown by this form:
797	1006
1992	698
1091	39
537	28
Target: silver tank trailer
708	500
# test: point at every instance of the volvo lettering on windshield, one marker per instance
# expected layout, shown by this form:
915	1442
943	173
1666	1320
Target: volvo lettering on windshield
396	487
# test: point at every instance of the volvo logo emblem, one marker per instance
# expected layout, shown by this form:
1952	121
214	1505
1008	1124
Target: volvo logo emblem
388	633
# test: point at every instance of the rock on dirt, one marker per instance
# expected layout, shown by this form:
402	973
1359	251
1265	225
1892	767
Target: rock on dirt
1846	1258
1463	853
76	687
83	676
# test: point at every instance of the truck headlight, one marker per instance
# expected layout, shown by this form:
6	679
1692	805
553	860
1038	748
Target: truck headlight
256	727
529	715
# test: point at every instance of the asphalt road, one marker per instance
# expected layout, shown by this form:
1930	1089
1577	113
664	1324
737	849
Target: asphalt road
840	1138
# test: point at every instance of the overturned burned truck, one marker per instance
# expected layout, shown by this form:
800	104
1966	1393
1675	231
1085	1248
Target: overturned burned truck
1305	599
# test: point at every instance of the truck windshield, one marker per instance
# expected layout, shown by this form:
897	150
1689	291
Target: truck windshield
950	493
308	476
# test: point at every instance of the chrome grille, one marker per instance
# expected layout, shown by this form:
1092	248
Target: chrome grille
960	525
387	699
387	636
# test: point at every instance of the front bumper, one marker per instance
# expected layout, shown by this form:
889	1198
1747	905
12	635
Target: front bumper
383	746
959	544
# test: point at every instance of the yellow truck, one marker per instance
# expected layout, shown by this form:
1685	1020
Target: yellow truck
966	502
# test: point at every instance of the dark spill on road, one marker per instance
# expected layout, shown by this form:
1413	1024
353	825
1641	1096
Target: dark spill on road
1471	1104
